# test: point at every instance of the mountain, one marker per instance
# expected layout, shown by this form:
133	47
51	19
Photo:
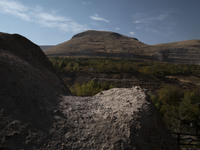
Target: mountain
187	52
29	91
109	44
46	47
97	43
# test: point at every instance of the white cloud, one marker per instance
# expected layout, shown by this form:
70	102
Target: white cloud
14	8
86	3
94	23
158	24
139	27
98	18
117	28
50	17
132	33
143	18
39	16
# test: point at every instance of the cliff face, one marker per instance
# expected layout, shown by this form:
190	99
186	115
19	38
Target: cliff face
110	44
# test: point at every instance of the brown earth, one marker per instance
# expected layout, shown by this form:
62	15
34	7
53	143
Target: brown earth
109	44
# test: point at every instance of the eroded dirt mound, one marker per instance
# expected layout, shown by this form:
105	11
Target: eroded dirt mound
29	90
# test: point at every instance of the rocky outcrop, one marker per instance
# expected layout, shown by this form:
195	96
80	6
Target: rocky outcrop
120	118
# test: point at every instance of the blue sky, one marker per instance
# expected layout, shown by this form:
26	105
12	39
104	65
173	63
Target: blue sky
50	22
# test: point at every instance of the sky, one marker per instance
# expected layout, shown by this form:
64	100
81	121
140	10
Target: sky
50	22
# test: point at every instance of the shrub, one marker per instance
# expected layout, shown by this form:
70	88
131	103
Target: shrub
90	88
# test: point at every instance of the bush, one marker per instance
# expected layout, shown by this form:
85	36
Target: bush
170	94
177	106
89	89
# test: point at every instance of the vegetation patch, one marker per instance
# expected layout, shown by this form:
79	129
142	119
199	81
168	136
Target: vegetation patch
89	89
180	108
106	65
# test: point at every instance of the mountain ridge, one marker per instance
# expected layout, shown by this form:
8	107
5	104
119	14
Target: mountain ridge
93	43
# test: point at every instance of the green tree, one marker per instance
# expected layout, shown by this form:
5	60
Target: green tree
190	106
170	94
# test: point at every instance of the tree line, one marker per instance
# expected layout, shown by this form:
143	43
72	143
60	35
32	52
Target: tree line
106	65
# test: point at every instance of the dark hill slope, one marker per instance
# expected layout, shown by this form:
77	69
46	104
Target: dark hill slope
29	91
110	44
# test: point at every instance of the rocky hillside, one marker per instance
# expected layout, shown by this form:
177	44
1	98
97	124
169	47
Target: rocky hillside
109	44
97	43
186	52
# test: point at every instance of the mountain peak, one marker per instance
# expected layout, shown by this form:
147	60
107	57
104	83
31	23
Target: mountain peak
96	43
100	33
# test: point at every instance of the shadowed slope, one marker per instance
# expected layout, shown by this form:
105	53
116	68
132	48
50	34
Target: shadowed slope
29	91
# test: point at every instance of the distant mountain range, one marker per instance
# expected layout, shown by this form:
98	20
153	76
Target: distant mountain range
46	47
109	44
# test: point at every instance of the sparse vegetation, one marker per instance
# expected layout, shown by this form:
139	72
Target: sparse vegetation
123	65
90	88
179	107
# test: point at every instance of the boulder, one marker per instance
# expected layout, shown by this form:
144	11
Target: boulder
117	119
